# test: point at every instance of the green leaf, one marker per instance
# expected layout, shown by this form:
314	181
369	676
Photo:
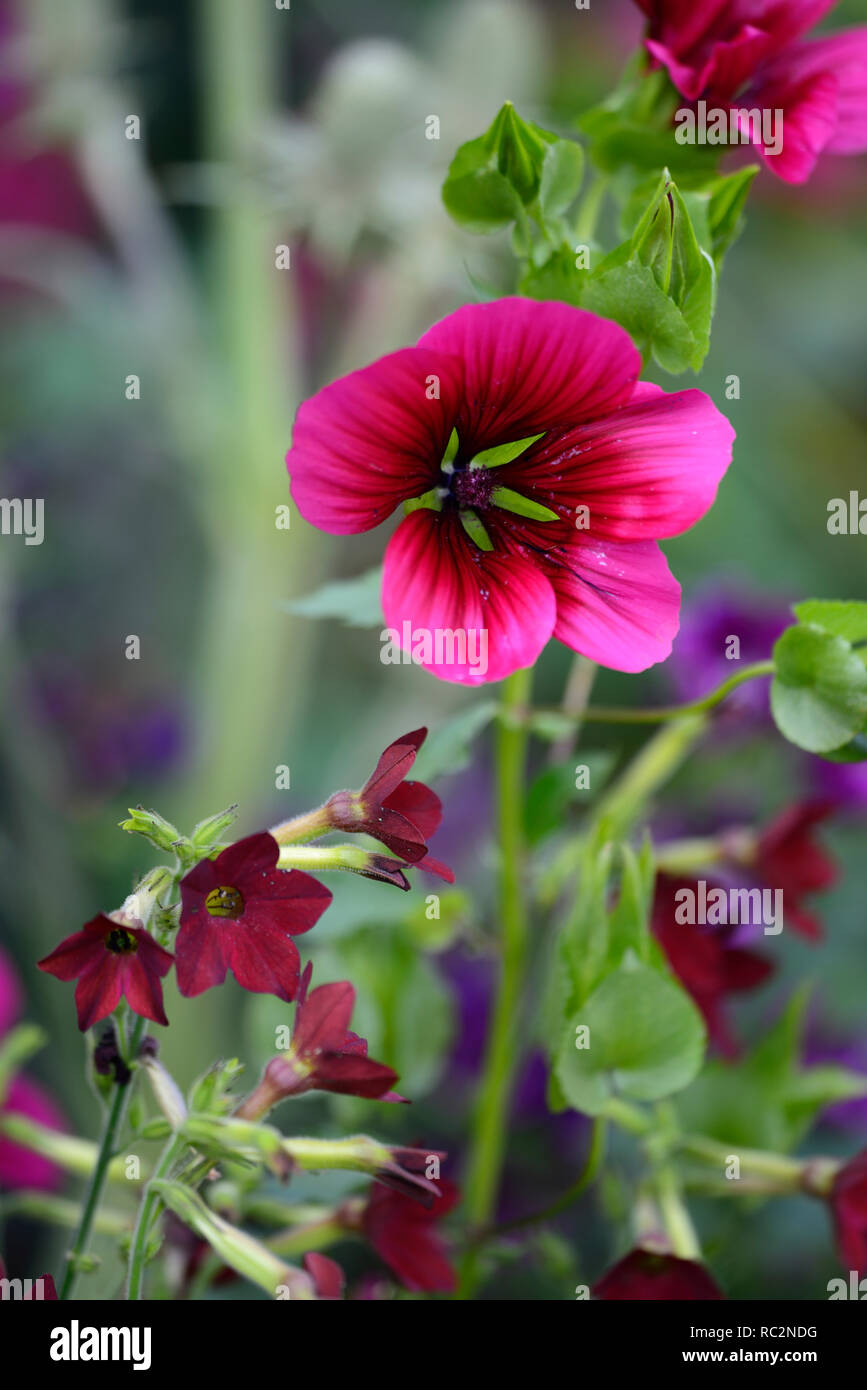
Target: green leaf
482	201
843	617
553	791
819	691
646	1041
630	295
562	172
728	196
449	748
557	278
768	1100
356	602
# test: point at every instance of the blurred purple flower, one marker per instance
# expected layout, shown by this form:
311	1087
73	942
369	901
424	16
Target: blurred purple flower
828	1046
109	738
843	783
698	660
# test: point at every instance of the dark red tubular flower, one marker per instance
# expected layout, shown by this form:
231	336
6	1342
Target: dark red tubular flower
644	1275
328	1278
239	912
788	857
748	54
111	959
708	966
401	815
403	1234
323	1055
849	1213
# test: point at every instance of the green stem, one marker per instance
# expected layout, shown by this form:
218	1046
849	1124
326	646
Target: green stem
147	1213
489	1129
613	714
111	1128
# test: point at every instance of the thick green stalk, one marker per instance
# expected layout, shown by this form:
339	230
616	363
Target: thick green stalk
489	1128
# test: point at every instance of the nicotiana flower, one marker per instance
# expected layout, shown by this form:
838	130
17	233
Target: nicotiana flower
112	958
329	1281
537	475
20	1167
747	55
849	1213
645	1275
323	1054
239	912
709	962
401	815
404	1235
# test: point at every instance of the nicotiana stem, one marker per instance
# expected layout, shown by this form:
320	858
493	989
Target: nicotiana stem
148	1211
114	1119
489	1127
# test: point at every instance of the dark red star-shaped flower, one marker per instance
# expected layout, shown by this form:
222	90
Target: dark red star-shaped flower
401	815
849	1212
239	912
644	1275
708	965
111	959
323	1054
403	1233
788	856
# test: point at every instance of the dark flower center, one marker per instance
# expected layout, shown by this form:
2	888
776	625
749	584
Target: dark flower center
472	487
121	942
225	902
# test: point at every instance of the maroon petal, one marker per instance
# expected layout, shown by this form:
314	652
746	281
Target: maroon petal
393	766
99	989
328	1278
419	805
263	959
644	1275
79	951
200	953
285	899
349	1075
322	1020
141	985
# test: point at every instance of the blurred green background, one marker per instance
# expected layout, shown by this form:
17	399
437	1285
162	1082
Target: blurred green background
156	257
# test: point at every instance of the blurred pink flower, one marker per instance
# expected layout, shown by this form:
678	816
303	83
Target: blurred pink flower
18	1166
745	54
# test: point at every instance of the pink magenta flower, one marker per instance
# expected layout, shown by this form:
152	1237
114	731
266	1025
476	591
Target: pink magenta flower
239	912
746	54
111	960
20	1167
560	539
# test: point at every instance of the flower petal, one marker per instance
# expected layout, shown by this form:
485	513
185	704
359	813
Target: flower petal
470	615
809	107
287	900
650	469
530	366
200	956
616	604
263	958
322	1020
141	985
373	439
98	991
421	806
